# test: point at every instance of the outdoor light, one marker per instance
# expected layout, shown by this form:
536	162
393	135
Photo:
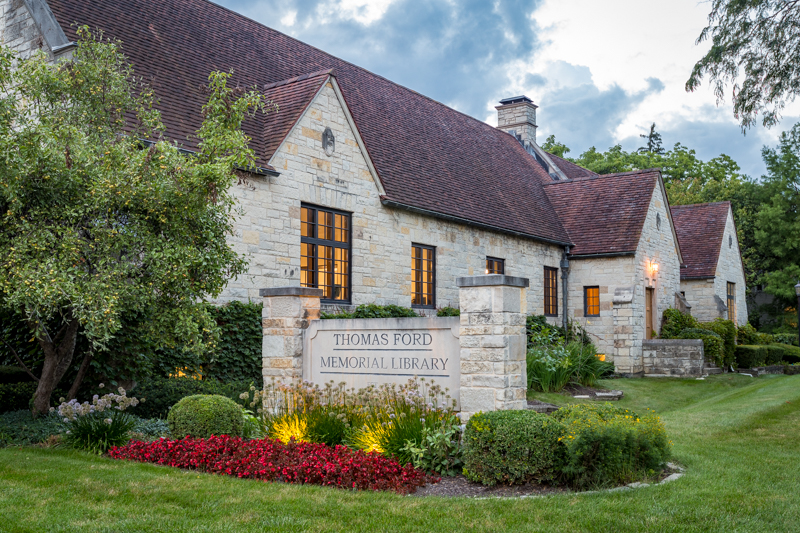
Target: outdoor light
654	267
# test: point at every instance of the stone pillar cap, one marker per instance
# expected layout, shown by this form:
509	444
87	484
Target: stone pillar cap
291	291
490	280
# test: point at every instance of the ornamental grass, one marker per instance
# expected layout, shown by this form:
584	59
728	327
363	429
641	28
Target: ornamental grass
272	460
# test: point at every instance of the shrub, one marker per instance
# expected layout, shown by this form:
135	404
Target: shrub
271	460
372	311
750	356
512	447
162	393
726	329
791	354
786	338
674	322
13	374
16	396
439	449
448	311
21	429
204	415
713	345
748	335
606	445
549	368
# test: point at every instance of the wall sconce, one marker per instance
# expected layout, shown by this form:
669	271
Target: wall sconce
654	268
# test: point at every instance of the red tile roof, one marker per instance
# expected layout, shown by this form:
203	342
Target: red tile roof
700	229
604	214
570	169
427	155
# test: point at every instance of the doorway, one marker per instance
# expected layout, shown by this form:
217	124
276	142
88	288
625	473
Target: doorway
650	300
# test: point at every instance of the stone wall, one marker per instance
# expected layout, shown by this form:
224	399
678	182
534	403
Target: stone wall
18	30
269	231
519	117
673	357
700	295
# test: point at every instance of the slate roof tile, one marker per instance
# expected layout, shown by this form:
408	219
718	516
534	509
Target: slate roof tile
700	229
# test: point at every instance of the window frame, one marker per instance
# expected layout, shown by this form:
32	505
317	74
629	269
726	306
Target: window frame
548	299
731	300
331	243
586	290
495	260
432	305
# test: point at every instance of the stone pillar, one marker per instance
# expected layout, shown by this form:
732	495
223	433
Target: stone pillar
493	342
286	314
627	344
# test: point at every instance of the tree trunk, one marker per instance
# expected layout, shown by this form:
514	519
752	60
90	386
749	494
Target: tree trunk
58	353
73	391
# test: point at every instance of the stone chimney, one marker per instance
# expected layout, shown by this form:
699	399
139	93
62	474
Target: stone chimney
517	116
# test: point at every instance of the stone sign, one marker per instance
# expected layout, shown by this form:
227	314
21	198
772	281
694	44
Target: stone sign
373	351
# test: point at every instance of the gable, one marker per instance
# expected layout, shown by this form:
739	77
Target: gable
700	229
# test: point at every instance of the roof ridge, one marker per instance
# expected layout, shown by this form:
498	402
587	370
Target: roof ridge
328	72
630	172
702	204
601	176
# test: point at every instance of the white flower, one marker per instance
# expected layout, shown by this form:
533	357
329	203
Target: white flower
101	386
107	421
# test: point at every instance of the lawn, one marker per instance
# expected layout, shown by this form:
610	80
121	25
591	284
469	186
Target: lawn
737	436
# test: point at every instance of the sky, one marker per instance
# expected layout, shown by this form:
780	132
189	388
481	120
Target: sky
600	72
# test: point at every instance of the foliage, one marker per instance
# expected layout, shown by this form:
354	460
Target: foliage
554	147
162	393
94	226
20	428
439	449
204	415
272	460
553	363
750	356
674	322
754	49
775	353
372	311
726	329
787	338
15	396
748	335
237	354
713	344
540	331
97	426
608	445
448	311
512	447
13	374
653	139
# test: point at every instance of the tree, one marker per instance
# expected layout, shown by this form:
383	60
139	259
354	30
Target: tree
554	147
100	215
755	48
653	141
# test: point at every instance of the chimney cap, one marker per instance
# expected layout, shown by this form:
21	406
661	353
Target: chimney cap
516	100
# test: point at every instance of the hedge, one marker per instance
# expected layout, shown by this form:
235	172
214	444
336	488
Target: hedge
674	322
786	338
726	329
750	356
713	345
162	393
747	335
13	374
372	311
16	396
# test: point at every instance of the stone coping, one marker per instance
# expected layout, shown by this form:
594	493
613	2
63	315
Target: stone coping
672	342
291	291
491	280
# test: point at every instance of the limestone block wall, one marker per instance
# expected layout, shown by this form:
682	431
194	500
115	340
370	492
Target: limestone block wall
700	295
520	117
18	30
269	230
673	357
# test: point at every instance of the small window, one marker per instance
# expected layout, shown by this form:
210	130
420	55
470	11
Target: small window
591	301
495	266
423	276
731	301
550	291
325	252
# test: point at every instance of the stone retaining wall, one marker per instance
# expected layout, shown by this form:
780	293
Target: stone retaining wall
673	357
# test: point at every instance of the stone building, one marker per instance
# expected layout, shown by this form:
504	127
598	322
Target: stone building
712	275
376	193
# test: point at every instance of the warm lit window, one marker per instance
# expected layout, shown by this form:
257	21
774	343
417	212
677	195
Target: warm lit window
495	266
325	252
591	301
731	301
550	291
423	275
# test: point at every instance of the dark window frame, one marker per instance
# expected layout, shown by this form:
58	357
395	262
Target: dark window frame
731	300
550	300
331	243
495	261
586	300
432	294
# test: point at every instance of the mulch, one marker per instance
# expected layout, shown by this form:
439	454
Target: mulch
461	486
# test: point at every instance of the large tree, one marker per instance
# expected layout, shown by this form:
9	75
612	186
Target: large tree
755	53
100	215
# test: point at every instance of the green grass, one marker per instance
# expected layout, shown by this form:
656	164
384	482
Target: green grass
737	436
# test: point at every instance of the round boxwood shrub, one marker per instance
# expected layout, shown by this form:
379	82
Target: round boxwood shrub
204	415
512	447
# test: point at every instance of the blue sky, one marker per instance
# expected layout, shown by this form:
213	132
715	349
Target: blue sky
601	72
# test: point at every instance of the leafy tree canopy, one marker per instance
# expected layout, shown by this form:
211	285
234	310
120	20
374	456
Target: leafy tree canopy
100	215
755	52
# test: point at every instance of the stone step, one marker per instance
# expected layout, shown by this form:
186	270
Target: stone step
713	370
542	407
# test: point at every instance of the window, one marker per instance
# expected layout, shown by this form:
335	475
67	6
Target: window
423	275
731	301
495	266
550	291
325	252
591	301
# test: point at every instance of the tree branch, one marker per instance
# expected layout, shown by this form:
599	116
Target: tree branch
25	368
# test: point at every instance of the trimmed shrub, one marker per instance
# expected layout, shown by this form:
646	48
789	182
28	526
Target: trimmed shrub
159	395
512	447
748	335
726	329
751	356
607	445
775	353
448	311
204	415
15	396
373	311
713	345
13	374
791	354
674	322
786	338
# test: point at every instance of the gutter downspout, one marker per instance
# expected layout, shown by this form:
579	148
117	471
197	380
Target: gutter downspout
565	287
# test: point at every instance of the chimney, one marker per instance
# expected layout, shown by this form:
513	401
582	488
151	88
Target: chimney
517	116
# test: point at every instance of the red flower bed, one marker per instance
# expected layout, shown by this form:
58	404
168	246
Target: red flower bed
271	460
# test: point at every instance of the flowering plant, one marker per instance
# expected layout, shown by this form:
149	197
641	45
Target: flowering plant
272	460
99	425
